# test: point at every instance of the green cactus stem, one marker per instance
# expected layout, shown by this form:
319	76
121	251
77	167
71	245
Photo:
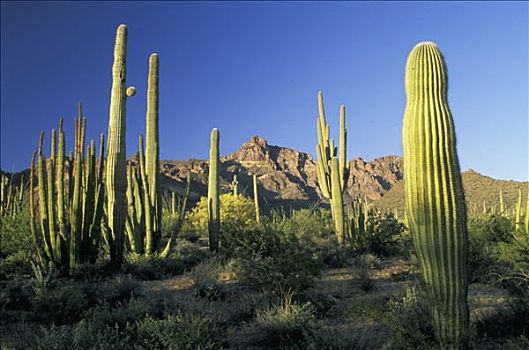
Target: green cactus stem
502	205
213	193
518	213
435	203
256	200
326	151
152	150
235	185
116	167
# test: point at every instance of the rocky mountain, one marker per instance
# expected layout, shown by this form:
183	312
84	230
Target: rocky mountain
286	176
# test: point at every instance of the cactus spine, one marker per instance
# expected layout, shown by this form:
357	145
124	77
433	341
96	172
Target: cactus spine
332	185
213	193
116	168
435	204
256	200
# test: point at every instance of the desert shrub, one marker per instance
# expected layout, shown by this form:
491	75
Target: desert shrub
274	262
237	213
383	236
173	332
409	321
485	235
16	246
62	304
138	324
205	282
191	254
328	250
364	279
114	291
153	267
16	296
313	222
491	228
290	326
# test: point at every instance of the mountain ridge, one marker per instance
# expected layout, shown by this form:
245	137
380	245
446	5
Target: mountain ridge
287	177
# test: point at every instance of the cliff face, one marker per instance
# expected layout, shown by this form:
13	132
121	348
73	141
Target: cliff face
285	175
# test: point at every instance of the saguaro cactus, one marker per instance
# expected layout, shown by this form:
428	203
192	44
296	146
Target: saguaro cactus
235	185
152	150
332	185
256	199
116	168
213	193
435	203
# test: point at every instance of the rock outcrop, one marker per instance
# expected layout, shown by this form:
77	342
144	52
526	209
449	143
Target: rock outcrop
286	176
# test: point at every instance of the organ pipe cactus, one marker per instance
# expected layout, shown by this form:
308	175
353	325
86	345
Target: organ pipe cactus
435	203
11	196
332	185
213	193
116	167
69	220
256	199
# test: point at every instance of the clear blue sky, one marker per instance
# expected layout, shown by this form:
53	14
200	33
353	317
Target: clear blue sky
254	69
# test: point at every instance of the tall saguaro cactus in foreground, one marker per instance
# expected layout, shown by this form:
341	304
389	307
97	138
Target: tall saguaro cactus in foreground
435	203
332	169
116	168
213	192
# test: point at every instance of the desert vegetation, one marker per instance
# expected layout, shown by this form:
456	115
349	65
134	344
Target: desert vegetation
97	253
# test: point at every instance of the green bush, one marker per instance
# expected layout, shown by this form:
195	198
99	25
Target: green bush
138	324
409	321
237	213
63	304
273	262
313	222
186	256
485	235
182	332
383	237
16	246
290	326
328	250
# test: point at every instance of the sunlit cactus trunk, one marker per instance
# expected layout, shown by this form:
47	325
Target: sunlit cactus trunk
435	204
256	199
116	167
332	185
152	153
213	192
